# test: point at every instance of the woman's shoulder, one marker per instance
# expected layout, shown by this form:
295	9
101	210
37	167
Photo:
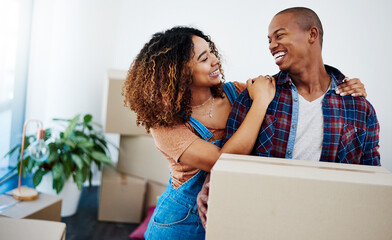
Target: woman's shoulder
239	86
180	129
173	141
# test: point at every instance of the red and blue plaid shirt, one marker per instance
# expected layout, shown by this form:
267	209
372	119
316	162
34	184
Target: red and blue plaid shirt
351	129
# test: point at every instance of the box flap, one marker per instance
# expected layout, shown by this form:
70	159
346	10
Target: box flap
31	229
303	169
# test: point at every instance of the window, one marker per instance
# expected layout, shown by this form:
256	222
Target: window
15	26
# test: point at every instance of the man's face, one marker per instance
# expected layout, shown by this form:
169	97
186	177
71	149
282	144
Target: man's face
288	43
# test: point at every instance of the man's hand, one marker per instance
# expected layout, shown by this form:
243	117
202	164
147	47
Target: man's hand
202	199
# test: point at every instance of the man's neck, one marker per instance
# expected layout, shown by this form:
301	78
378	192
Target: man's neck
311	81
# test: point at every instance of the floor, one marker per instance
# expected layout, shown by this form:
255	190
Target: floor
84	224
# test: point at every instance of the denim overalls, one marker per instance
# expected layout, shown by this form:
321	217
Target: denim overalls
176	215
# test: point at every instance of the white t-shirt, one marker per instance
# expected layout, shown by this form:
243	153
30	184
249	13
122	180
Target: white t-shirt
309	135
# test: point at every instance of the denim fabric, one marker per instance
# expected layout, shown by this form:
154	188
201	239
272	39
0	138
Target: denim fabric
176	216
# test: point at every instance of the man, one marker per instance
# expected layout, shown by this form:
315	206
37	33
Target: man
307	119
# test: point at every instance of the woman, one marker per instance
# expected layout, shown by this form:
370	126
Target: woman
175	87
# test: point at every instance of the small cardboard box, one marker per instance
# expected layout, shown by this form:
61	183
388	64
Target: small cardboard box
46	207
266	198
117	117
11	229
138	156
121	197
154	191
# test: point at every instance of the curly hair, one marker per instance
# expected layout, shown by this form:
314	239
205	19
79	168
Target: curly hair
157	87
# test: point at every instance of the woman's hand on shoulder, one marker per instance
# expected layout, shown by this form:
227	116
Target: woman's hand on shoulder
262	89
353	87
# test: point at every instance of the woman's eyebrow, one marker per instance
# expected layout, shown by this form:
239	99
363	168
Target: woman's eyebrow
201	54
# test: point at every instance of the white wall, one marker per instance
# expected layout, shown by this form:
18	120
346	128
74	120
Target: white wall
74	42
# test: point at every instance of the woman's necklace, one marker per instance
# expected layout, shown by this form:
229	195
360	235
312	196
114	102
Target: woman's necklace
209	113
204	103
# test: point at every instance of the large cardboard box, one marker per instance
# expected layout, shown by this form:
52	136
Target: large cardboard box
117	117
138	156
267	198
121	197
16	229
46	207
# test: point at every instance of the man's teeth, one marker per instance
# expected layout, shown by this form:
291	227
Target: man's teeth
279	55
214	72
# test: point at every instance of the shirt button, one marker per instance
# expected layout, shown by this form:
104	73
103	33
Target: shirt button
289	152
295	99
294	126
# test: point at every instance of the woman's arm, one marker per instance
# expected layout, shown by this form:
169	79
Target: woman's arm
203	155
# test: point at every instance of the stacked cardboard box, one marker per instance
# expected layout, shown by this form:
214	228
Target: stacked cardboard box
267	198
31	229
142	172
45	207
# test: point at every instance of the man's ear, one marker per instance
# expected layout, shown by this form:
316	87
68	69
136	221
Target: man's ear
313	35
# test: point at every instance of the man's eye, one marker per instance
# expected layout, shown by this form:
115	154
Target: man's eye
279	36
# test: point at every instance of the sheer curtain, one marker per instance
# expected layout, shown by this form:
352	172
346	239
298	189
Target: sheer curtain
15	22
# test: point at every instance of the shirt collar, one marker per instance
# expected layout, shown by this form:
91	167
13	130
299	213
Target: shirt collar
336	77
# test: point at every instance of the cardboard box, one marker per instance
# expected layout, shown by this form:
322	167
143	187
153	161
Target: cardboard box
46	207
266	198
121	197
11	229
153	192
117	117
138	156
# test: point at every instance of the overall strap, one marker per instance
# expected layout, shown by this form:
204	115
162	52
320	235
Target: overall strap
200	128
232	94
231	91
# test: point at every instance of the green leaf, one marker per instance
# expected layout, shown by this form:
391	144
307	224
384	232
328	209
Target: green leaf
48	133
71	126
38	176
87	160
53	157
79	138
101	157
70	144
86	144
67	167
30	164
58	171
58	184
61	119
17	147
78	178
77	160
87	118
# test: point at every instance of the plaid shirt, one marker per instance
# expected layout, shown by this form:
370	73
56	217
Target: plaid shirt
351	129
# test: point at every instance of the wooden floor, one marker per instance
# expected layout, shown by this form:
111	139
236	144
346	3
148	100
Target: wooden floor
84	224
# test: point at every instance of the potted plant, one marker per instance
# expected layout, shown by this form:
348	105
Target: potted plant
72	153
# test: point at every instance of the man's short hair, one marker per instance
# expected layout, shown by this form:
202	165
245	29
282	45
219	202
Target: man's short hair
306	18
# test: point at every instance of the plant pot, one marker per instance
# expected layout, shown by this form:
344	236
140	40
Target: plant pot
70	194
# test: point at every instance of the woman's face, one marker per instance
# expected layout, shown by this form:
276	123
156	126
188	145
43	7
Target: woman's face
204	65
